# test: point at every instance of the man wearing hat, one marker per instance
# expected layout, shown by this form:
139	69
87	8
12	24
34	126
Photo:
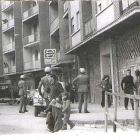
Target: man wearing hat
22	94
45	82
83	89
128	86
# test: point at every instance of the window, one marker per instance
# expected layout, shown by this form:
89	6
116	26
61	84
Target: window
36	54
126	3
11	15
72	25
78	20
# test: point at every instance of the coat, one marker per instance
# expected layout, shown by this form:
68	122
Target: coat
83	83
22	88
45	82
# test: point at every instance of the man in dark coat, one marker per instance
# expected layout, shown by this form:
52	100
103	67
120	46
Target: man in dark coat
128	86
83	89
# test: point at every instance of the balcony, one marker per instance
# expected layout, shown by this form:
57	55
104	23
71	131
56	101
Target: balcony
8	25
54	25
89	26
31	12
32	65
34	38
7	4
10	69
9	47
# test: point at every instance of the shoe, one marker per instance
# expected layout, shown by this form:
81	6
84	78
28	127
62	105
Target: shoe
132	108
79	111
72	126
86	112
64	128
126	108
25	110
21	112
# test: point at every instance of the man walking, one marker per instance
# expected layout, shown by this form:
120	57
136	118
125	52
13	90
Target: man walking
83	89
22	94
45	82
128	86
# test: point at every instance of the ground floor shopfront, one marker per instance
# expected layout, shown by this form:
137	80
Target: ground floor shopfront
112	56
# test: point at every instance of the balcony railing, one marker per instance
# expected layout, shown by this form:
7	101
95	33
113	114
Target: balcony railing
30	12
6	4
31	65
9	47
9	69
65	6
54	24
89	26
8	24
31	39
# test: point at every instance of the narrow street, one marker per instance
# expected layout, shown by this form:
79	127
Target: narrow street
12	122
25	126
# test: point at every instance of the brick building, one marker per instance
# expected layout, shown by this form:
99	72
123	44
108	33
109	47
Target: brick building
101	36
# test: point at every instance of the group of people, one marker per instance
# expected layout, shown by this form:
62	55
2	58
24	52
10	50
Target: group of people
57	101
128	85
58	98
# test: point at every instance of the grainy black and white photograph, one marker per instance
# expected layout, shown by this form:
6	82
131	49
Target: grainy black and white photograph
69	69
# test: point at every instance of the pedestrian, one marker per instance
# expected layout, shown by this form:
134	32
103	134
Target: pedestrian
66	110
45	82
22	94
73	94
137	83
128	87
56	91
83	89
106	86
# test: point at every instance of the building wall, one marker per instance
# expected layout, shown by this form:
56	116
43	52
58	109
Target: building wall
1	50
18	37
44	29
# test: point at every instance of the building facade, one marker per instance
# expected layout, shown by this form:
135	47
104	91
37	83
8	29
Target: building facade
101	36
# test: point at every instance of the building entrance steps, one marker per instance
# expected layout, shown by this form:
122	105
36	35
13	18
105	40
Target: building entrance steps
97	115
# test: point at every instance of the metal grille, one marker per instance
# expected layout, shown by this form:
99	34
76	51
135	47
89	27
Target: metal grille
129	48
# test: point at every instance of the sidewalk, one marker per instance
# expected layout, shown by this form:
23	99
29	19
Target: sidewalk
97	115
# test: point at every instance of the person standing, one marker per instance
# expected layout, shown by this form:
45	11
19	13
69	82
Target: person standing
66	111
83	89
128	86
45	82
106	86
56	92
22	94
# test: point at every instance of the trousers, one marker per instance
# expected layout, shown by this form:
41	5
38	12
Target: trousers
126	100
22	103
67	121
83	96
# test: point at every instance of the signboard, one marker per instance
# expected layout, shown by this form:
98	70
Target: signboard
50	56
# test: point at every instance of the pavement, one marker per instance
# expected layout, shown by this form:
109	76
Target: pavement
97	115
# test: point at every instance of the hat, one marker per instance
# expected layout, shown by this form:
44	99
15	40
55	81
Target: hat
22	77
47	69
82	70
